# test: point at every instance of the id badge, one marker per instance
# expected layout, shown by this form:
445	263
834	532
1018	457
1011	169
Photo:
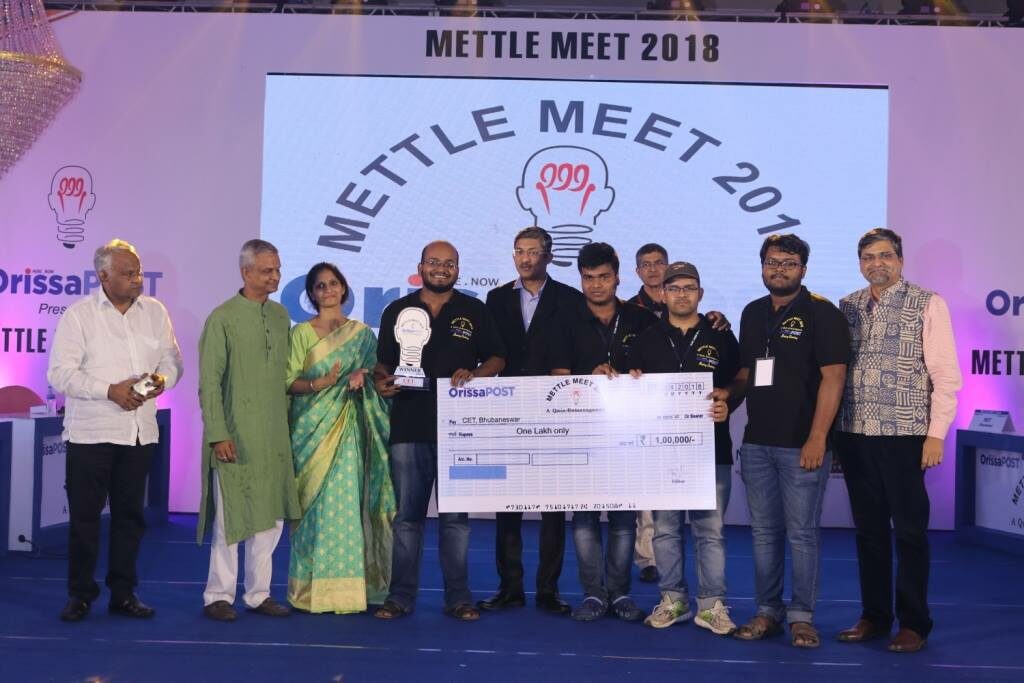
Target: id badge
764	372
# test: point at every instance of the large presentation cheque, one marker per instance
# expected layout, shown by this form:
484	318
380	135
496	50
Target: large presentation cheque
542	444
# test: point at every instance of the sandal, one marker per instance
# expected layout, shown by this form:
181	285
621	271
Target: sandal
390	610
760	627
463	611
804	635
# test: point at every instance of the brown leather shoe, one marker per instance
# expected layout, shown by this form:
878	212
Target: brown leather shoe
906	641
220	610
862	631
270	608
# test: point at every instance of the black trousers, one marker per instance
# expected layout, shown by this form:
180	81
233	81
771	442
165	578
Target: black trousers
888	497
508	551
93	472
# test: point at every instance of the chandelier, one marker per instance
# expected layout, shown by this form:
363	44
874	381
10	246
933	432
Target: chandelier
35	79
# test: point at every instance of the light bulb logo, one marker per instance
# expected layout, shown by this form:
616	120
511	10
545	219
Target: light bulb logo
412	331
71	198
565	188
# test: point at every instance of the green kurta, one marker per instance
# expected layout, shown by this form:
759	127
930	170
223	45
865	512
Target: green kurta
243	359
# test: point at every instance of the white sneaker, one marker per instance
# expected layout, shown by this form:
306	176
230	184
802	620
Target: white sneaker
716	619
668	612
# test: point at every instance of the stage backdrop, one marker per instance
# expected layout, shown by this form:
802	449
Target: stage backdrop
357	140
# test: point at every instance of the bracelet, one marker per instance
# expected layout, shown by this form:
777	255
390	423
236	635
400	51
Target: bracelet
312	389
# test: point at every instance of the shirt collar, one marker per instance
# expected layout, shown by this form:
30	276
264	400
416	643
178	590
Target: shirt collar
100	298
889	293
249	302
518	284
619	310
672	329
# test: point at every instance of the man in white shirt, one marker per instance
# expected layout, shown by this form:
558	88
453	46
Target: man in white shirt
104	345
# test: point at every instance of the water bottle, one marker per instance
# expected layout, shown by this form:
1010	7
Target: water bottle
51	401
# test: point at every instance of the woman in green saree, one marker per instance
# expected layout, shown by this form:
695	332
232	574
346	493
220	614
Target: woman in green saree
341	548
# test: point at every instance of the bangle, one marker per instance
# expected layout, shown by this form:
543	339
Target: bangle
312	389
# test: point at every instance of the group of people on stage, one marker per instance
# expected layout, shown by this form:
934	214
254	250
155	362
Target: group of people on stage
309	424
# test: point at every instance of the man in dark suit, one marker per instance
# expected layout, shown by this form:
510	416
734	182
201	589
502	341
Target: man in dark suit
527	311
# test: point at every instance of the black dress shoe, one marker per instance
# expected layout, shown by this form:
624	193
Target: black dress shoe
502	600
131	607
553	604
75	610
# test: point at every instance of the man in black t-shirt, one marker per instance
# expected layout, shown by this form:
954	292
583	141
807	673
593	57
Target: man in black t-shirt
684	341
599	345
461	343
794	347
651	262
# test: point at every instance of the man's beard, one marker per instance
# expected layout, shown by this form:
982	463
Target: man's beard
438	289
781	291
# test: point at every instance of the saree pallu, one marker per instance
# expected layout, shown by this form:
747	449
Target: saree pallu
341	548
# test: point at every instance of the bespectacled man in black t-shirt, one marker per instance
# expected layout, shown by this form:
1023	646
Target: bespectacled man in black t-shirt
794	348
684	341
461	343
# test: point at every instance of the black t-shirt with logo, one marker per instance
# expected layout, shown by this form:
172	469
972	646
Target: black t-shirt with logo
586	343
664	348
462	336
803	337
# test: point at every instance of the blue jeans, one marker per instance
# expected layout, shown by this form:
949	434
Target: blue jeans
709	542
784	501
413	473
605	578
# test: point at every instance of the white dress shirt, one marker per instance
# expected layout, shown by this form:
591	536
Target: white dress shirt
96	346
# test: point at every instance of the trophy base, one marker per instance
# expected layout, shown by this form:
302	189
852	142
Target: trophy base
410	378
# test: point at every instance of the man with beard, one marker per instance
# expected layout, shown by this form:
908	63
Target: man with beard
599	344
526	312
899	402
794	346
461	343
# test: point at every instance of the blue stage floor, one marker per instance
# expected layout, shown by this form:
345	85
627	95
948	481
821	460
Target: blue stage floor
976	598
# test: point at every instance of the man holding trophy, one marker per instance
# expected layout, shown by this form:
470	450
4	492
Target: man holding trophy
430	336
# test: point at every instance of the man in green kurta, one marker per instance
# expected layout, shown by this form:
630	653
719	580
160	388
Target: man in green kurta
248	478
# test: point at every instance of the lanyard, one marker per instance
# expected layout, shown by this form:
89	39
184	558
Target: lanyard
772	326
689	348
611	343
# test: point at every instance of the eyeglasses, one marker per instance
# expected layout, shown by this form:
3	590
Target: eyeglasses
532	253
788	264
435	262
651	265
687	289
884	257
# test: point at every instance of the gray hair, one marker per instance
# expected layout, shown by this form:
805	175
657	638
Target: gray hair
535	233
880	235
101	259
251	249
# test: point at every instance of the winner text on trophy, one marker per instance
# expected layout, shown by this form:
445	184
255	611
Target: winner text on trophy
412	331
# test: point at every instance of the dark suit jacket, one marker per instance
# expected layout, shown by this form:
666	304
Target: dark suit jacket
527	350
